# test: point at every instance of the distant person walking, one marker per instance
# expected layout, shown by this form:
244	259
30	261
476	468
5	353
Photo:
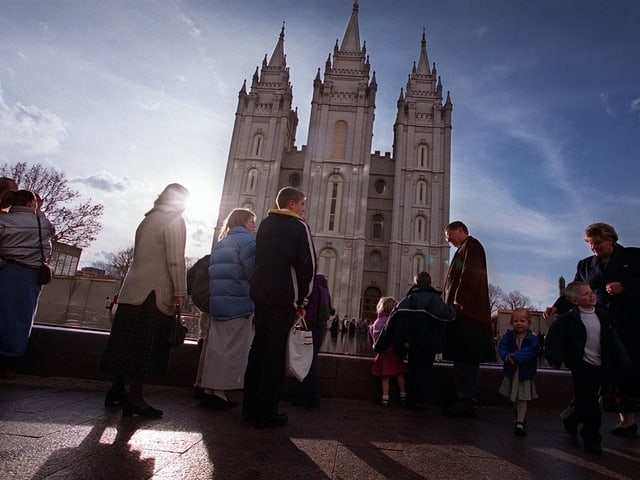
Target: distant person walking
469	338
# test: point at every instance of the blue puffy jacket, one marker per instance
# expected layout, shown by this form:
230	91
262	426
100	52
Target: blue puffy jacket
232	263
526	356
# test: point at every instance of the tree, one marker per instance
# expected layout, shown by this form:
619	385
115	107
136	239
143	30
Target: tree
76	222
515	299
496	299
118	263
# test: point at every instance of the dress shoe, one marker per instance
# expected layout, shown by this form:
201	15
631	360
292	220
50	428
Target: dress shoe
129	409
214	402
115	397
594	449
629	432
460	409
520	429
277	421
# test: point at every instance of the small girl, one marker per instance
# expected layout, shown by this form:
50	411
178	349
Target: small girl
387	364
519	351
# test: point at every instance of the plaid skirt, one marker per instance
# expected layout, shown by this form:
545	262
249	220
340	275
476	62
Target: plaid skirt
138	345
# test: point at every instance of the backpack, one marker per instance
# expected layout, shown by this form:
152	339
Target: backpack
319	309
198	283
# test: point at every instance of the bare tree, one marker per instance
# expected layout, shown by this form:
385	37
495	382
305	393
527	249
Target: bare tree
76	222
118	263
515	299
496	299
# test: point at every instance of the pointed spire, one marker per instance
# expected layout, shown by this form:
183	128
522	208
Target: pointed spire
351	40
448	102
423	61
278	58
373	79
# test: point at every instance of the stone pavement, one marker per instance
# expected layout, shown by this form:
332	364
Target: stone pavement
57	428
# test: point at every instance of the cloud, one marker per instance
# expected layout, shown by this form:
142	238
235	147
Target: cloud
635	105
103	181
604	98
28	127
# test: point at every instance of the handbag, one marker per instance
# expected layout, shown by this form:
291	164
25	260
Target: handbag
299	350
45	273
177	330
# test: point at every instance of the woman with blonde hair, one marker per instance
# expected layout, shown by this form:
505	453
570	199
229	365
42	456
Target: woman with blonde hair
226	348
152	289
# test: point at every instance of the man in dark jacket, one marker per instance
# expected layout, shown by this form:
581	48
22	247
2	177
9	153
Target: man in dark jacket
280	288
469	338
416	328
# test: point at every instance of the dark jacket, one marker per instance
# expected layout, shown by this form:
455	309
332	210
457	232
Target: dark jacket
526	356
285	261
418	320
318	311
567	338
470	337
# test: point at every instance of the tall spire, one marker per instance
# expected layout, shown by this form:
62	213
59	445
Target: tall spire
278	58
423	61
351	40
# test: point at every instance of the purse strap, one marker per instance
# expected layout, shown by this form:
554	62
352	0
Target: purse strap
40	239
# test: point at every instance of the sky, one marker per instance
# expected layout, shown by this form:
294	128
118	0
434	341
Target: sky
127	97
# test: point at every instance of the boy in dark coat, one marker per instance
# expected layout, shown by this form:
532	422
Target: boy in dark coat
416	329
585	341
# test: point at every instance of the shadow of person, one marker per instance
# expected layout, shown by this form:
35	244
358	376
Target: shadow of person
95	458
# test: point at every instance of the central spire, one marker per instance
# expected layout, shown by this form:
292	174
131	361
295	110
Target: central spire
351	41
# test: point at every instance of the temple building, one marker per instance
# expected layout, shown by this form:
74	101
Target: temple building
377	219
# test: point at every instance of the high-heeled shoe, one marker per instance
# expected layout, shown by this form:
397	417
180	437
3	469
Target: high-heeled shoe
115	397
129	409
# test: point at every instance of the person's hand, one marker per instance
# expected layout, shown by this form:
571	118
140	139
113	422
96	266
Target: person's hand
549	311
300	312
512	360
178	301
614	288
457	306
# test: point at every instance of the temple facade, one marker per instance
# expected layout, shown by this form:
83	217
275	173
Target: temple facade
377	219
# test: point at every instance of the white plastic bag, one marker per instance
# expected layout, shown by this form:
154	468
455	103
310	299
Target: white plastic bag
299	350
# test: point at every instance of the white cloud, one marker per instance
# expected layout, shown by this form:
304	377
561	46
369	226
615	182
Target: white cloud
28	127
635	105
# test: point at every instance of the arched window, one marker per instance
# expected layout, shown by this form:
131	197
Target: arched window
339	149
252	180
375	257
420	229
334	203
327	265
418	263
258	144
369	301
380	186
421	192
423	156
377	227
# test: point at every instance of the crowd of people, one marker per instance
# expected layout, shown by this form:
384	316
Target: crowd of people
261	282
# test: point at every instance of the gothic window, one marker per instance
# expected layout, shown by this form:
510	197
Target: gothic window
334	203
339	149
421	192
252	180
380	186
377	227
423	156
258	144
418	263
294	180
327	265
420	229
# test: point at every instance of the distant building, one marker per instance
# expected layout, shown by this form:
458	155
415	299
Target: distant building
64	259
377	219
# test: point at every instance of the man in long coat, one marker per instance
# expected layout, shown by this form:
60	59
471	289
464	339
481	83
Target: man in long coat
469	338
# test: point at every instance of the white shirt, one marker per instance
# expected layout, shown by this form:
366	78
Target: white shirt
592	349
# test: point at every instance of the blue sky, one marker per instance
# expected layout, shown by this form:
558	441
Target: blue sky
125	97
